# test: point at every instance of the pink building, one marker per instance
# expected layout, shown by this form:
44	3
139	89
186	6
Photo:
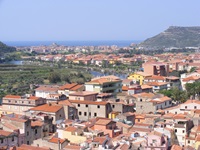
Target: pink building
156	68
156	141
107	126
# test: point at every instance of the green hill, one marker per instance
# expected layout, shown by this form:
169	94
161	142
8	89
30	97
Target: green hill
174	36
6	49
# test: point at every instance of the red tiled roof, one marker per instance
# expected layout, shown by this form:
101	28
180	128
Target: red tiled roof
67	86
47	108
36	123
12	96
5	133
55	140
29	147
194	78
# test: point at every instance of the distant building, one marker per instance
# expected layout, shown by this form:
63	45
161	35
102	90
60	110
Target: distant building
20	104
156	68
106	84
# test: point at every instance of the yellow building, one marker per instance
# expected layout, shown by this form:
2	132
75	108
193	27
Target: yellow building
73	134
112	115
197	143
139	76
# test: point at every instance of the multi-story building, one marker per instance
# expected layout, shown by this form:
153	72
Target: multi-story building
20	104
8	139
45	90
106	84
90	109
146	103
139	77
22	123
156	68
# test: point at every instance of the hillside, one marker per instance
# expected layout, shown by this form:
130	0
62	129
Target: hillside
6	49
174	37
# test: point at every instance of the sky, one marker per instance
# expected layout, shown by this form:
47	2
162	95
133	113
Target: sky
69	20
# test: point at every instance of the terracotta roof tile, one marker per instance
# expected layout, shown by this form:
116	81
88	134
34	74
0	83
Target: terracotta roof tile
36	123
29	147
67	86
5	133
47	108
55	140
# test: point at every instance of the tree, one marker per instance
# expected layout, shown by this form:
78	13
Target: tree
54	77
193	69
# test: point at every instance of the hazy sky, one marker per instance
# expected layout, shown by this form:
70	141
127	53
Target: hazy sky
30	20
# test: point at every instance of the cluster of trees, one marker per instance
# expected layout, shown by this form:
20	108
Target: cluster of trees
175	94
18	79
192	91
70	77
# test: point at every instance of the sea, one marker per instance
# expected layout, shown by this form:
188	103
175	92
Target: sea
119	43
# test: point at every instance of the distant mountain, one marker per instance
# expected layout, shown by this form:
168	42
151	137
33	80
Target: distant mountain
174	36
6	49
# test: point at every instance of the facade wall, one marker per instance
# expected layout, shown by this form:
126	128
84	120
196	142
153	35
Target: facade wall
88	97
9	141
72	138
144	107
86	112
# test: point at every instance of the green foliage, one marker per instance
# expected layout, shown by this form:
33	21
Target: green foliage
6	49
17	79
175	94
193	89
54	77
193	69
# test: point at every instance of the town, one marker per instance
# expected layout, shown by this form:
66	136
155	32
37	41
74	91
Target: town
155	107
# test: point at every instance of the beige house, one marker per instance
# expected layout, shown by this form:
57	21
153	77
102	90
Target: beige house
20	104
106	84
91	109
85	95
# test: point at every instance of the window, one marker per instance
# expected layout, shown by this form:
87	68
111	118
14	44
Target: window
195	107
185	107
27	133
29	102
15	101
188	141
95	114
89	113
183	131
13	138
22	102
165	103
35	131
98	106
86	105
1	140
170	102
78	105
175	130
27	142
80	113
140	100
60	116
154	141
85	113
138	120
113	106
9	101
